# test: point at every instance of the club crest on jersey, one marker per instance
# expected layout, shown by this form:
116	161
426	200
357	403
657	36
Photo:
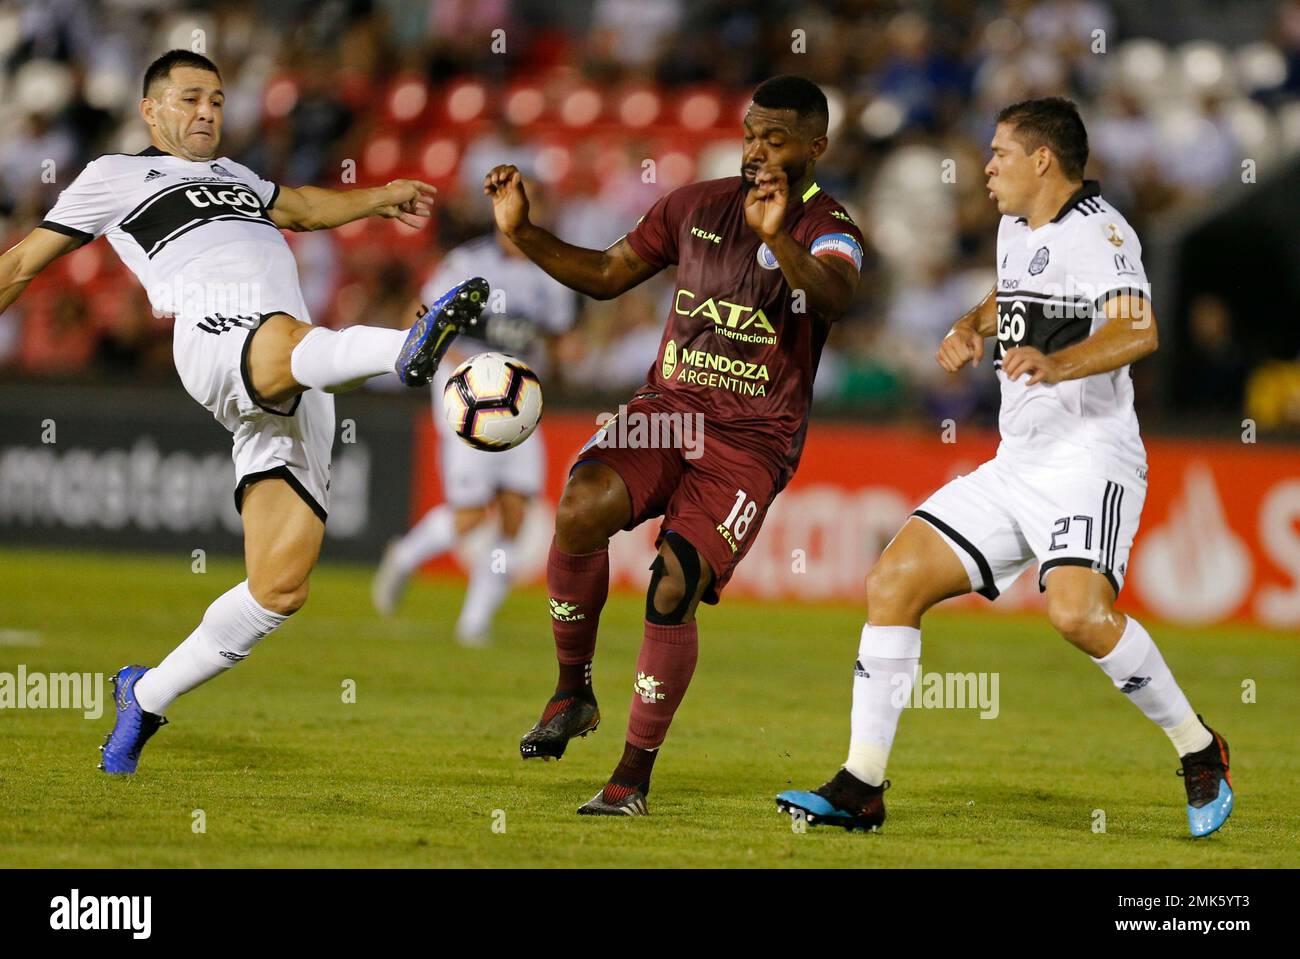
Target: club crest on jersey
766	258
1039	263
1113	235
670	360
219	170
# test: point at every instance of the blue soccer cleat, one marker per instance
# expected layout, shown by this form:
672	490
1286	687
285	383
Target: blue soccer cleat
846	801
1209	785
436	326
133	727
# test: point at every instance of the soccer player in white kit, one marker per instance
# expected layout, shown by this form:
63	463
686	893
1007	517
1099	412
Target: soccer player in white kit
202	233
1070	312
525	307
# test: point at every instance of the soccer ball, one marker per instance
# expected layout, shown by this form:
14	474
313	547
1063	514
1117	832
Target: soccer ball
493	401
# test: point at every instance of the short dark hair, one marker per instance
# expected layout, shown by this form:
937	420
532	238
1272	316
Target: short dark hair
161	68
795	93
1053	122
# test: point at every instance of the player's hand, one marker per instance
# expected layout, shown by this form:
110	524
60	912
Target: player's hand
408	200
960	345
505	185
765	203
1026	359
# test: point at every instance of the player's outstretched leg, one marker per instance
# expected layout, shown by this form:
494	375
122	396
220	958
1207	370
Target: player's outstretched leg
1080	606
594	506
917	570
664	669
282	538
287	356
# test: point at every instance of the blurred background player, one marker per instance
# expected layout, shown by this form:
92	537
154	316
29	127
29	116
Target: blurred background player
1071	310
526	310
766	262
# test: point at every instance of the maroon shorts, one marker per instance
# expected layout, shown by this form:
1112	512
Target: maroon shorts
712	493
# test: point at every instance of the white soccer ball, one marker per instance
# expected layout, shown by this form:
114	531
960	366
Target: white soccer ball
493	401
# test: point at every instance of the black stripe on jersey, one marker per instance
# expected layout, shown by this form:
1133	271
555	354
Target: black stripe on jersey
66	230
1109	295
1046	325
175	210
1079	302
990	588
1087	190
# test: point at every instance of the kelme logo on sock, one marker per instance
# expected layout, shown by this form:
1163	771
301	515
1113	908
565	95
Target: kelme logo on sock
647	688
565	612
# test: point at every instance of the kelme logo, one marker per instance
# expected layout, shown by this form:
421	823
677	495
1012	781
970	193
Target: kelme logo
670	360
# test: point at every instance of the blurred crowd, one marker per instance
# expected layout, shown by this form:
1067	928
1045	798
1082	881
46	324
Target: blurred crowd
607	104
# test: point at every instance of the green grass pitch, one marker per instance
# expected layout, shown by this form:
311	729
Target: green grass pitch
424	764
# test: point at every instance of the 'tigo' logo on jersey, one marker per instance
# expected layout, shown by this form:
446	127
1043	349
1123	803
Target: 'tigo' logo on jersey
1012	325
239	199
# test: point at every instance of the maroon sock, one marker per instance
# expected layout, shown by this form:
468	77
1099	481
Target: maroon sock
578	585
663	671
631	773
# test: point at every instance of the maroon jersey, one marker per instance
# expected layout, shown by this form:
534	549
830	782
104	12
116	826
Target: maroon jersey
739	346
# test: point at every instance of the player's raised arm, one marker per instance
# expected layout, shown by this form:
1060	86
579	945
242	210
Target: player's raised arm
965	341
828	281
1128	335
21	262
599	274
317	208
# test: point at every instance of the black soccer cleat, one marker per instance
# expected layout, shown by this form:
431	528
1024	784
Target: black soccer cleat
1209	785
435	327
622	801
845	801
565	716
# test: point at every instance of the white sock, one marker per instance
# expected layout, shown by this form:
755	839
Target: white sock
489	583
1139	671
883	676
340	360
428	539
230	629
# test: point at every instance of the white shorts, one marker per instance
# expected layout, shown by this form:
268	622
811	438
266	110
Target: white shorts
472	477
293	442
1002	517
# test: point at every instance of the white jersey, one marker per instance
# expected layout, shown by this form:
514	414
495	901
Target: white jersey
1052	285
521	292
198	235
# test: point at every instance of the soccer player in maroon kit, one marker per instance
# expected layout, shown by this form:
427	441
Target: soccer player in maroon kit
766	261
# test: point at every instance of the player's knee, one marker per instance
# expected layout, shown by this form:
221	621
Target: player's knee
282	594
891	590
586	514
674	586
1078	620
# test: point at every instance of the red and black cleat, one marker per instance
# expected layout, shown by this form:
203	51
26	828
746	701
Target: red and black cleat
616	799
566	715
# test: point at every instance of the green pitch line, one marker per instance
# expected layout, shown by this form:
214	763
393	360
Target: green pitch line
422	766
